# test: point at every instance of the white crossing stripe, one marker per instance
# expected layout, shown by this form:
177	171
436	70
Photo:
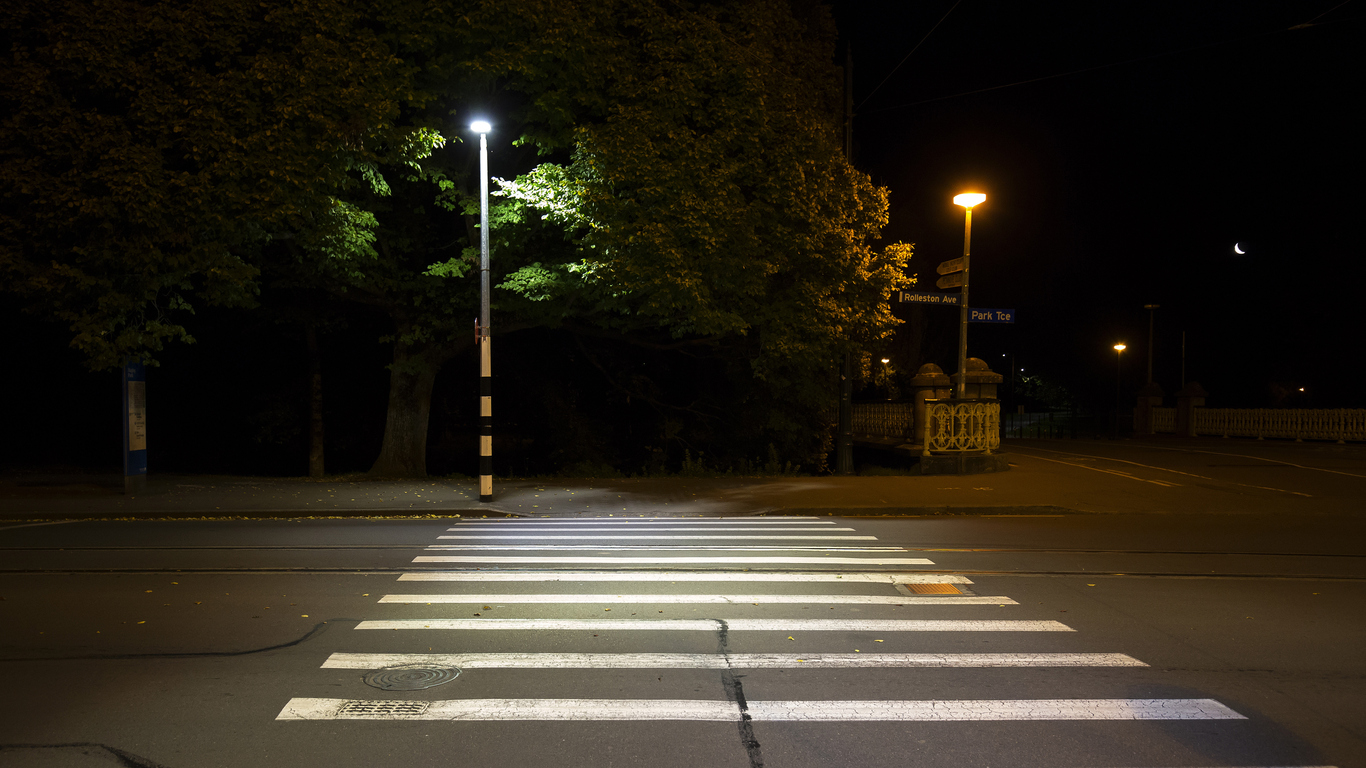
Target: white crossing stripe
727	711
673	599
726	661
655	548
675	560
657	520
731	625
672	576
645	528
618	537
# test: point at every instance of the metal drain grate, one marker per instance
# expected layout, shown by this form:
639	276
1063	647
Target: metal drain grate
383	708
410	677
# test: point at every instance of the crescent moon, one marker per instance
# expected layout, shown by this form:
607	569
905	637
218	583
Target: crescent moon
1238	250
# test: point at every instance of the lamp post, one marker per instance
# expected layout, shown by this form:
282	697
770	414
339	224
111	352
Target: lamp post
482	128
967	200
1119	350
1150	308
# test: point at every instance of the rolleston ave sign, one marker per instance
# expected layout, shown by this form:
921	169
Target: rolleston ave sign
915	297
991	315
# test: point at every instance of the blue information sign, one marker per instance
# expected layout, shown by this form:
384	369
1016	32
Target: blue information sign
990	315
915	297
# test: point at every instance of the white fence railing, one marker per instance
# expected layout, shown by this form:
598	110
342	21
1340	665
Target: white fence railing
1164	419
1340	424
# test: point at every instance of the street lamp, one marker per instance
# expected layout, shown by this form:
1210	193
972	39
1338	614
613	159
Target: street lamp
967	200
1119	350
482	128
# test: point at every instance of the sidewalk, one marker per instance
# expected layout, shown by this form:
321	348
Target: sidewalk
1046	477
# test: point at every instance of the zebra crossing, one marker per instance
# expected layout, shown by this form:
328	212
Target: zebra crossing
655	568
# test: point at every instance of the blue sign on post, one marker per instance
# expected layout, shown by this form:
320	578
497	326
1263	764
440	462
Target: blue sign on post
991	315
916	297
134	426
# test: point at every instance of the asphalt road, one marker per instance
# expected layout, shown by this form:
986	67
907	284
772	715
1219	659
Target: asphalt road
1135	640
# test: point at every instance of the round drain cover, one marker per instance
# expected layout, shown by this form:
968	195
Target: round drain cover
410	677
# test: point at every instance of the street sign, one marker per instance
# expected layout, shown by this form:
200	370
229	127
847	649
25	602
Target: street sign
991	315
950	281
950	266
915	297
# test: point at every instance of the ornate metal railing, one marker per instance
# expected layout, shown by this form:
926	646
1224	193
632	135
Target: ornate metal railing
962	425
1340	424
885	420
955	425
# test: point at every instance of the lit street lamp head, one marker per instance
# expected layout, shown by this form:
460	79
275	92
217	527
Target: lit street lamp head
480	126
969	199
1120	347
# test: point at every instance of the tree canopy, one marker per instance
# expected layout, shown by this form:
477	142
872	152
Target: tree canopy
148	149
681	182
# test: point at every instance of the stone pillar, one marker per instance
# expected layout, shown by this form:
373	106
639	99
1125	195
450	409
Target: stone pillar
1189	398
981	381
1149	397
929	383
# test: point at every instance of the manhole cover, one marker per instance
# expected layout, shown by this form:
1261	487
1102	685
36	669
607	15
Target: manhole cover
410	677
383	708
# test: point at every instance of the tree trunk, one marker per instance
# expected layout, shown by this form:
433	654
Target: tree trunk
411	378
315	403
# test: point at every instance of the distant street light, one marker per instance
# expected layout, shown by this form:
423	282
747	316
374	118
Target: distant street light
482	128
967	200
1119	350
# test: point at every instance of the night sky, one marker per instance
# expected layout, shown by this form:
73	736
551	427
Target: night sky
1130	184
1108	187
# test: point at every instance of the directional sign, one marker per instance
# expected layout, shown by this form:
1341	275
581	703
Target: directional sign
950	281
950	266
914	297
991	315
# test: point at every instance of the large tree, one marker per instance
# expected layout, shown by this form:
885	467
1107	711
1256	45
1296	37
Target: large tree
148	149
158	155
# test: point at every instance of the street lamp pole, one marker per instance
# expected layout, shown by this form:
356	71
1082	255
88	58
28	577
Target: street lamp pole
483	337
967	200
1150	308
1119	349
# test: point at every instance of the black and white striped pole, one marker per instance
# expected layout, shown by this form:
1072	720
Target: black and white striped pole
485	354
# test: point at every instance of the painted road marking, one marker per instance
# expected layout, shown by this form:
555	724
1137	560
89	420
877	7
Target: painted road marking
481	527
731	625
571	599
827	560
1149	466
727	711
726	661
672	576
655	548
615	537
654	520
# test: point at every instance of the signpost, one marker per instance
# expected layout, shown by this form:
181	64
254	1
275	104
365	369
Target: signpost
991	315
916	297
950	266
134	427
950	281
